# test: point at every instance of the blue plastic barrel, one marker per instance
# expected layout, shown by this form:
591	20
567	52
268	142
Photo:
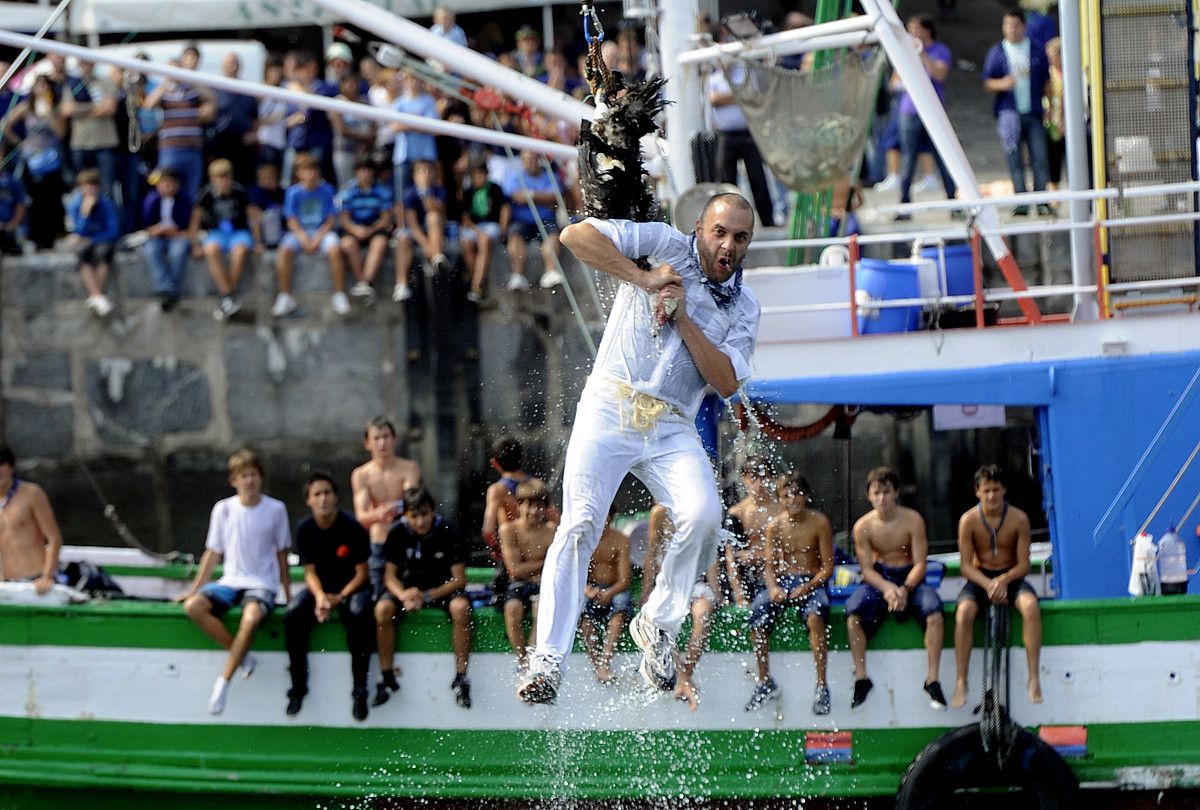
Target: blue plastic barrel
960	268
889	281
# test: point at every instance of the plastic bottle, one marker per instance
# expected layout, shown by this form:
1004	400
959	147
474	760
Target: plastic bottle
1172	563
1143	577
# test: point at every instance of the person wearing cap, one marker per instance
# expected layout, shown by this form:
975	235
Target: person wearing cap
339	62
528	53
166	213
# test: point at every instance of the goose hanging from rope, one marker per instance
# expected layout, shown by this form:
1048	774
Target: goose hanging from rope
614	183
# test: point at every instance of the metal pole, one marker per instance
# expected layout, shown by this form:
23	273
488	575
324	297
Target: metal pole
1082	268
684	115
458	59
259	90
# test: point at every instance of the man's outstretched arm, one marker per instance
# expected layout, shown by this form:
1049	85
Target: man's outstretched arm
596	250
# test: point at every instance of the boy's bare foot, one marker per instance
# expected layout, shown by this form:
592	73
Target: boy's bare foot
1035	690
605	675
686	691
959	698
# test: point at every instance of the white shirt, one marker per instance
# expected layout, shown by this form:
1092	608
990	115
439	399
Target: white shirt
661	365
727	117
250	539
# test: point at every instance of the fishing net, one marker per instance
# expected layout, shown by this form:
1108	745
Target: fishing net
809	124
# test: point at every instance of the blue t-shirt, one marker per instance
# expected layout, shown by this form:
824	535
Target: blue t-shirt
364	205
12	194
412	145
315	131
414	200
522	181
309	208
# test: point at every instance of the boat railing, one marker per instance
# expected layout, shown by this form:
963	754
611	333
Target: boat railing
973	233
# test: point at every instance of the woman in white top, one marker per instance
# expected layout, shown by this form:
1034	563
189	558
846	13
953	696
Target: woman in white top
272	131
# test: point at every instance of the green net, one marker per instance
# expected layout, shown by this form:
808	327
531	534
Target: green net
810	124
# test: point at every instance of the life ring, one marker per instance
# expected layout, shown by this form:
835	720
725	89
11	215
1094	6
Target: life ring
956	760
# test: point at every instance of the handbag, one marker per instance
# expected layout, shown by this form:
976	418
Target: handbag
43	162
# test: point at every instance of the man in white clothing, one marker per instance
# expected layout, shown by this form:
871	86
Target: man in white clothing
673	331
249	532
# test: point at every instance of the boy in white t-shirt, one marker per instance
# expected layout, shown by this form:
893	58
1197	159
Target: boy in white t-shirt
250	533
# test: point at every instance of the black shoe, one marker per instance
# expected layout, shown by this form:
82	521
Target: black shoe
1046	211
903	218
385	688
1021	211
168	302
360	704
462	690
295	701
936	699
862	688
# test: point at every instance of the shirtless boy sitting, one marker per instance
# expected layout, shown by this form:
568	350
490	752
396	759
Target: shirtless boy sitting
606	600
891	546
799	563
703	604
378	489
524	543
30	539
993	544
749	518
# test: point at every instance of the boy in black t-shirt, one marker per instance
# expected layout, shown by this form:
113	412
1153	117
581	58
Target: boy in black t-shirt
230	221
333	548
425	566
486	214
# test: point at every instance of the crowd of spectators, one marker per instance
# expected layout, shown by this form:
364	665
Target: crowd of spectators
115	160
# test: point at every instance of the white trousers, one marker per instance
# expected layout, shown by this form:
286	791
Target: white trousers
670	460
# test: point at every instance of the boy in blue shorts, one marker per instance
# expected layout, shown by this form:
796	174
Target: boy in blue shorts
423	221
230	221
532	185
249	532
365	207
892	549
310	210
799	561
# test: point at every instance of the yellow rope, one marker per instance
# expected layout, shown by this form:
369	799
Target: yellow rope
647	410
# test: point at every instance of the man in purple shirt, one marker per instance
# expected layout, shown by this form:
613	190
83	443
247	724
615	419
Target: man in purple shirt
935	58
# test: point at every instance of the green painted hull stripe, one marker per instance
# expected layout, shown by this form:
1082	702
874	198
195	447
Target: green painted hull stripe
135	624
503	764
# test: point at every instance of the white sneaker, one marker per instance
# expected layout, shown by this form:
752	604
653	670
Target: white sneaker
249	662
284	305
340	303
362	289
517	283
220	691
540	682
401	292
226	308
889	183
100	305
551	278
658	652
927	183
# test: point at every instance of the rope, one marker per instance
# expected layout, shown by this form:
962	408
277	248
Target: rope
647	410
110	513
1171	488
996	729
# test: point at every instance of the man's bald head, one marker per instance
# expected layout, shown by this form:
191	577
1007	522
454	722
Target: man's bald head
729	200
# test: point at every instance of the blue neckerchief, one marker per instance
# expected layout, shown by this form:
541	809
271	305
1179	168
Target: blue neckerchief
8	498
723	296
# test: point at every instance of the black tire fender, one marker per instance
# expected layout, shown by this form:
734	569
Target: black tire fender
956	760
